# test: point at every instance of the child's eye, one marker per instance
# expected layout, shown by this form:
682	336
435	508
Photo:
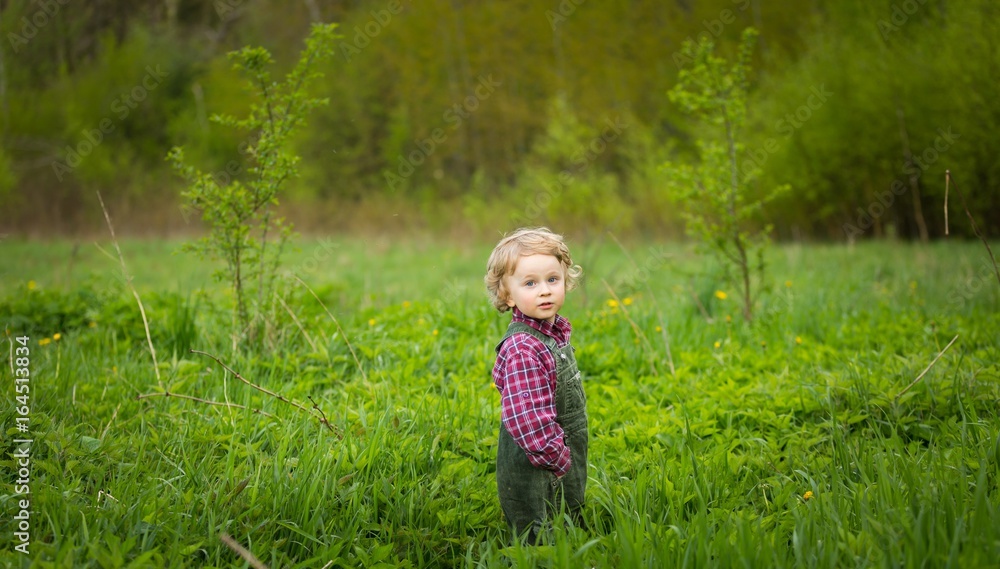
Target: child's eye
529	283
553	279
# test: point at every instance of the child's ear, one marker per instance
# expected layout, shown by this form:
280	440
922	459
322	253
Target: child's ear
510	302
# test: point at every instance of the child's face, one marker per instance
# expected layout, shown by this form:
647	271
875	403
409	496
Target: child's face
538	286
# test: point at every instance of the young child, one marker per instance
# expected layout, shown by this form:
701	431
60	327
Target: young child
542	457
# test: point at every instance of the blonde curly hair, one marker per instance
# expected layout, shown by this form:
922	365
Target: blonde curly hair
525	241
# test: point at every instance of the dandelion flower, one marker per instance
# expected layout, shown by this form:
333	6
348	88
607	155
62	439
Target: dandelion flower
808	495
721	295
44	341
788	284
612	303
56	336
31	285
718	344
729	318
406	304
658	329
435	332
627	301
798	340
371	322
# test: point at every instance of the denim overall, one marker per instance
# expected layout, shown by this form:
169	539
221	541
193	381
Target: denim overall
529	495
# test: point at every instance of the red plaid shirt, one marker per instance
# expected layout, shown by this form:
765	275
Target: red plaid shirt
525	375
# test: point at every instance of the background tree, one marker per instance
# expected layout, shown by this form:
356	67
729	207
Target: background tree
243	228
716	193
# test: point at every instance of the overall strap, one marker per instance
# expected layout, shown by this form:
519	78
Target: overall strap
518	327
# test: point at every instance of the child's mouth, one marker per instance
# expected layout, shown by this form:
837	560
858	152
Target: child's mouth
545	305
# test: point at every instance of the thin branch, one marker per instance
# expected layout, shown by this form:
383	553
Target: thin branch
265	390
975	227
241	551
635	327
947	184
919	377
656	304
701	306
205	401
299	324
128	280
323	418
339	329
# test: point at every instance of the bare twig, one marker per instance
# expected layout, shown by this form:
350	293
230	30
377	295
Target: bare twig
975	227
128	280
339	329
947	185
277	396
241	551
701	306
635	327
322	418
205	401
656	304
919	377
113	416
299	324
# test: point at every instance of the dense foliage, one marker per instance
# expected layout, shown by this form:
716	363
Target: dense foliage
443	114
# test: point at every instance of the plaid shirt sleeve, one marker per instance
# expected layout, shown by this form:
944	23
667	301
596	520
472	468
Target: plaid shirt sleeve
527	402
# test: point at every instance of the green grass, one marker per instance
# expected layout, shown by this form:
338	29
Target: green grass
707	467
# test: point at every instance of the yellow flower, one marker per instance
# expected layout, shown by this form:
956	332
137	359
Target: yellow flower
807	495
56	336
435	332
406	304
798	340
93	324
371	322
729	318
718	344
31	285
44	341
788	284
720	295
612	303
627	301
658	329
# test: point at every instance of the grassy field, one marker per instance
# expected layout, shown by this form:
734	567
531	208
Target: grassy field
789	442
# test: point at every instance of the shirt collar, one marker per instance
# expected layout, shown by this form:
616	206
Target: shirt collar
559	330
